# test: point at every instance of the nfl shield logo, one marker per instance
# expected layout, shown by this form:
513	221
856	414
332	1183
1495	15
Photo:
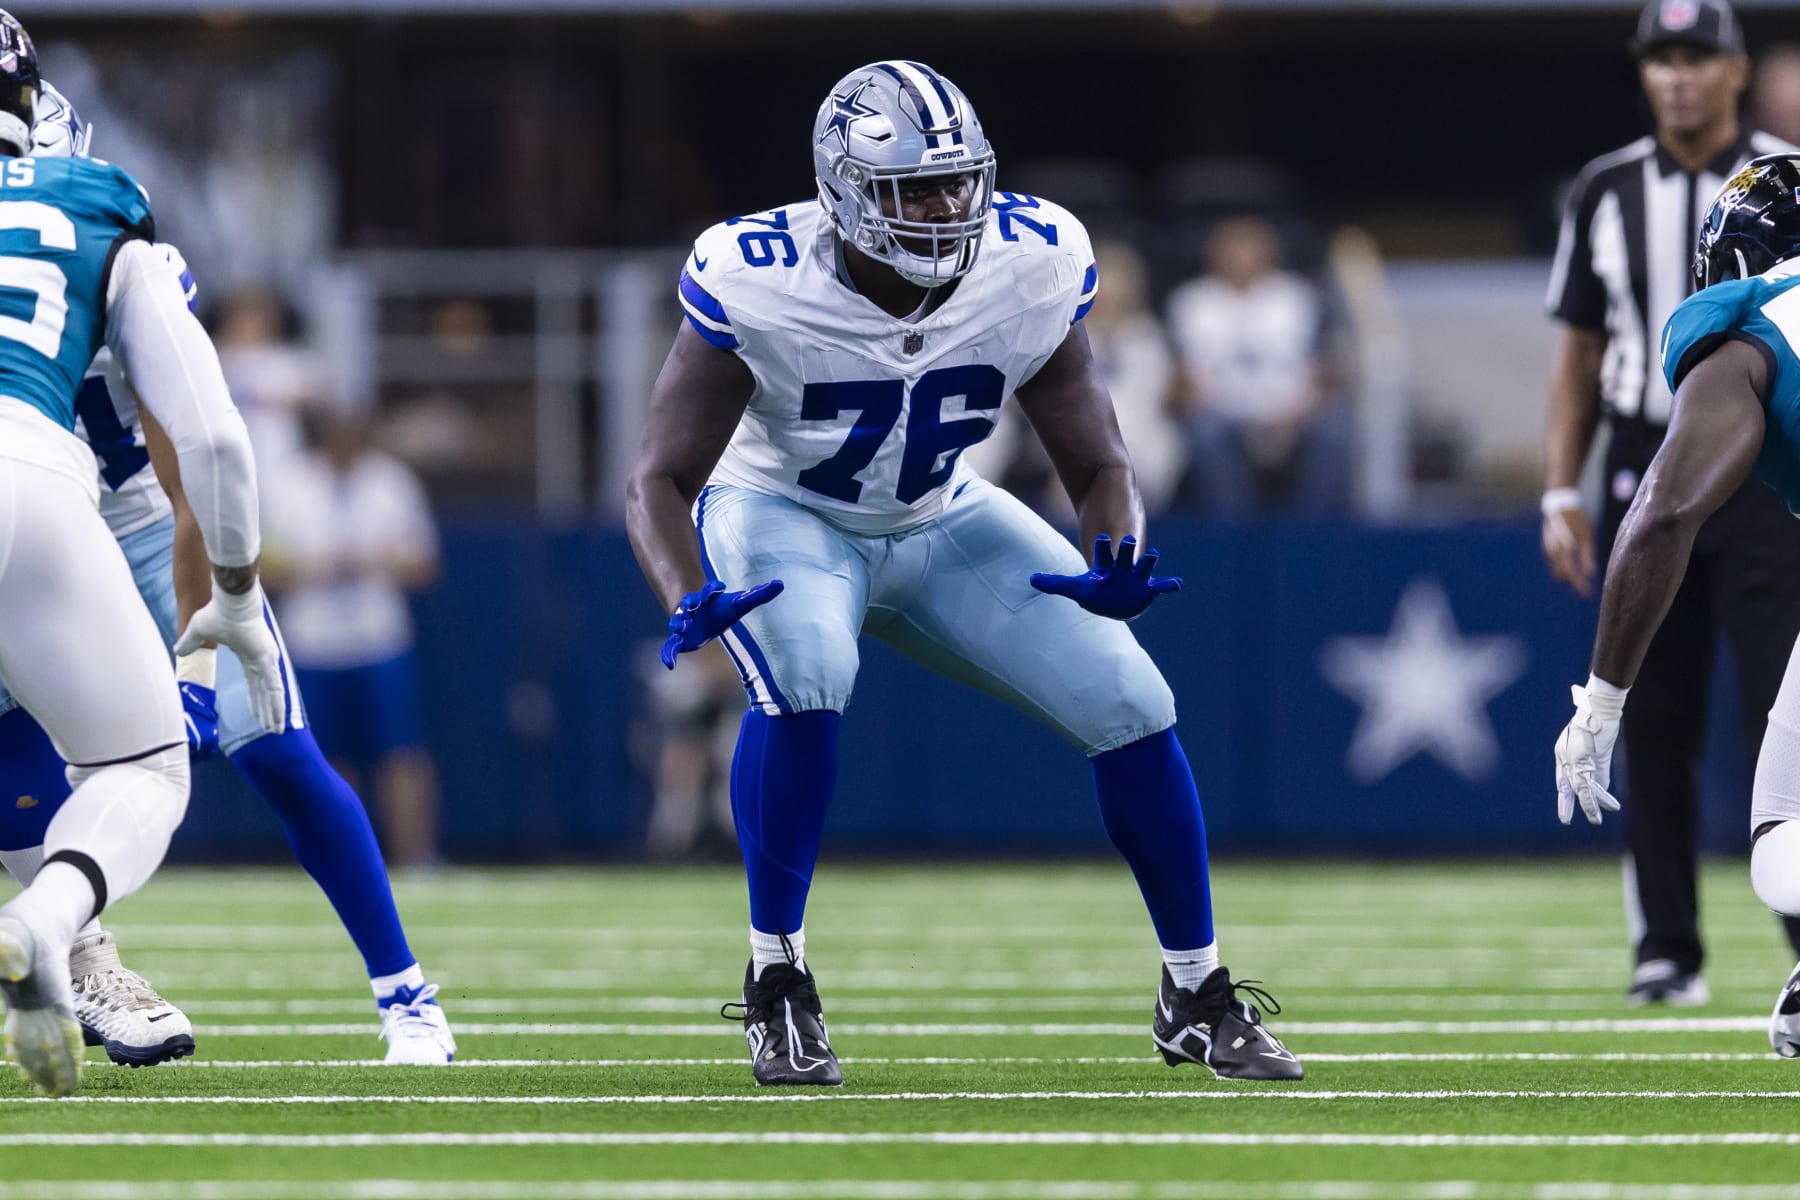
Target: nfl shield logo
1680	14
914	343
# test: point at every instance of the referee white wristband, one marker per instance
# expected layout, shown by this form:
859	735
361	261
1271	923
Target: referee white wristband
1558	500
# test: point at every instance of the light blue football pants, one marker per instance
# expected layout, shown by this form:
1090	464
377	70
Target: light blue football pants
953	594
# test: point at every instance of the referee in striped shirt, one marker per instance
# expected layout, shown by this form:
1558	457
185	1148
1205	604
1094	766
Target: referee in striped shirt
1623	262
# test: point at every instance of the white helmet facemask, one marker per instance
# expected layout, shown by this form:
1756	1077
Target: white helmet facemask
883	126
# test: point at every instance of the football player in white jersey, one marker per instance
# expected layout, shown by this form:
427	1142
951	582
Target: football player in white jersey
143	504
838	356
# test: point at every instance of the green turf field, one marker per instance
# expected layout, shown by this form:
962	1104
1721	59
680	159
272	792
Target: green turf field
1461	1025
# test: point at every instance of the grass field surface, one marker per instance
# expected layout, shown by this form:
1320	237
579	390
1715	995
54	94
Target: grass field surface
1462	1026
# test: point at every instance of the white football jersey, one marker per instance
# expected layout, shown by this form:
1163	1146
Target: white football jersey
858	415
106	418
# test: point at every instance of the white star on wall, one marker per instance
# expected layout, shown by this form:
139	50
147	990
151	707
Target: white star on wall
1424	688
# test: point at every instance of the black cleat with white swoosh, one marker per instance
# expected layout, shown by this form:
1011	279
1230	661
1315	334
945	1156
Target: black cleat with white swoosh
785	1026
1213	1027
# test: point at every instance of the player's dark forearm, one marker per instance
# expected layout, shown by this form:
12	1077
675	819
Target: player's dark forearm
662	537
234	581
1646	571
1109	503
193	574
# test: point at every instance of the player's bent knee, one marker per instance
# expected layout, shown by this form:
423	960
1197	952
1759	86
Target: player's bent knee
1775	868
157	785
811	667
1142	705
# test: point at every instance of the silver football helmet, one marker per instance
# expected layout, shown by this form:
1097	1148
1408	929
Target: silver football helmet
883	125
58	130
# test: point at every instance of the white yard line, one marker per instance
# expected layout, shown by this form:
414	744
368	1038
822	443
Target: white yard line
946	1061
837	1097
472	1140
874	1189
1606	999
191	977
1747	1024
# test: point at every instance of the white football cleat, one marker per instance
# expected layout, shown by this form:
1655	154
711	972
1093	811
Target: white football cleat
42	1036
118	1009
417	1031
1660	981
1784	1022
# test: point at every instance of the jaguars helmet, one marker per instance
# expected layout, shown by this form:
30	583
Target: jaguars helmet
18	83
59	132
1753	224
887	123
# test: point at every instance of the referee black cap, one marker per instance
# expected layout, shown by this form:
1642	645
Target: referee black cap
1709	24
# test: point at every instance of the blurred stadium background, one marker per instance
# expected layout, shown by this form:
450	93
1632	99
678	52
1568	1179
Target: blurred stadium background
462	220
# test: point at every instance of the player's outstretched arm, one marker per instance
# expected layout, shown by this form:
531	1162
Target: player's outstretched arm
1714	437
172	366
1068	405
1069	408
1715	434
695	405
192	573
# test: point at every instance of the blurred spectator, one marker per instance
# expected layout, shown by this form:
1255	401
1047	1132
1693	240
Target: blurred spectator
1134	359
1776	96
467	422
687	749
1139	370
1262	428
349	535
271	374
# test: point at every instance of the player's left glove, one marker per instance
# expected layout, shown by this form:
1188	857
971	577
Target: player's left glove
1118	588
243	625
200	707
1584	756
704	615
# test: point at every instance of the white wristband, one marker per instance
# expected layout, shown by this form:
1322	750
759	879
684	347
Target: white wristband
1558	500
199	667
1603	699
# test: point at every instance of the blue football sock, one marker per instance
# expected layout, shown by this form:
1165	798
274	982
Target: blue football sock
781	783
1151	810
32	783
329	830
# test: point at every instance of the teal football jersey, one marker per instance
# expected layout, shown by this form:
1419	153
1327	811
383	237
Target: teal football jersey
60	222
1763	311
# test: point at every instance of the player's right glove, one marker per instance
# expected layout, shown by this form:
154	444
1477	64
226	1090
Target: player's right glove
1584	756
704	615
242	624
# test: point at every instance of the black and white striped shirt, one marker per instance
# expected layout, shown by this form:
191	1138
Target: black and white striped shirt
1625	259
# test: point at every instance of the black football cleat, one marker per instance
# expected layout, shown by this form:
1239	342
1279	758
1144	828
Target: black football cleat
785	1026
1213	1027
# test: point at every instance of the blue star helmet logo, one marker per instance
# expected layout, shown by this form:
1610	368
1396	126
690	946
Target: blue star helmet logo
845	109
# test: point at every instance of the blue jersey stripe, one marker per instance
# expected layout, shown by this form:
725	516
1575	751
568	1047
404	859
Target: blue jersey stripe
702	300
723	341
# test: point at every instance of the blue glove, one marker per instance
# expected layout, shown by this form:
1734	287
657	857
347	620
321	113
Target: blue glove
200	706
704	615
1120	590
